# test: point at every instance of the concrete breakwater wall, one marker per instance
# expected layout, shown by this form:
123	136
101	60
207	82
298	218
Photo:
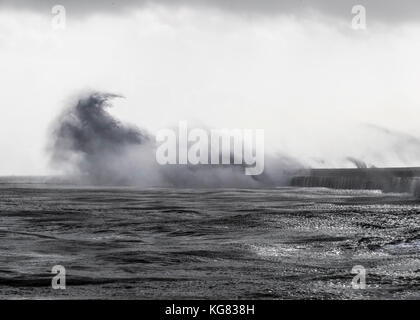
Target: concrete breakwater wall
403	180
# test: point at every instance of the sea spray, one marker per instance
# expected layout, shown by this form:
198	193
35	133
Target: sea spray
90	146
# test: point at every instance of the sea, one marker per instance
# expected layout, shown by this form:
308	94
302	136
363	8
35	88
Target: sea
274	243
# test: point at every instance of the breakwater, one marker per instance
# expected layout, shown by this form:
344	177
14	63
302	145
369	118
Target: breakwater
402	180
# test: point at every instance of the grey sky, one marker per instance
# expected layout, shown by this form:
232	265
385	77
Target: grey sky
386	11
307	82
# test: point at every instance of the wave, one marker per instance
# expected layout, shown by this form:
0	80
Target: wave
92	147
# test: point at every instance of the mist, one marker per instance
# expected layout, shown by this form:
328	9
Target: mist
310	83
89	146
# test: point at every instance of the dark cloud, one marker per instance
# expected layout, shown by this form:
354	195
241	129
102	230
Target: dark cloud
386	11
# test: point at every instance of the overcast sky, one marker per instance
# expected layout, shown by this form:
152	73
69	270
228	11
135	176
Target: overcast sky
294	68
383	10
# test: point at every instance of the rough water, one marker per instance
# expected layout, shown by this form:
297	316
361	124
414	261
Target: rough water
278	243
